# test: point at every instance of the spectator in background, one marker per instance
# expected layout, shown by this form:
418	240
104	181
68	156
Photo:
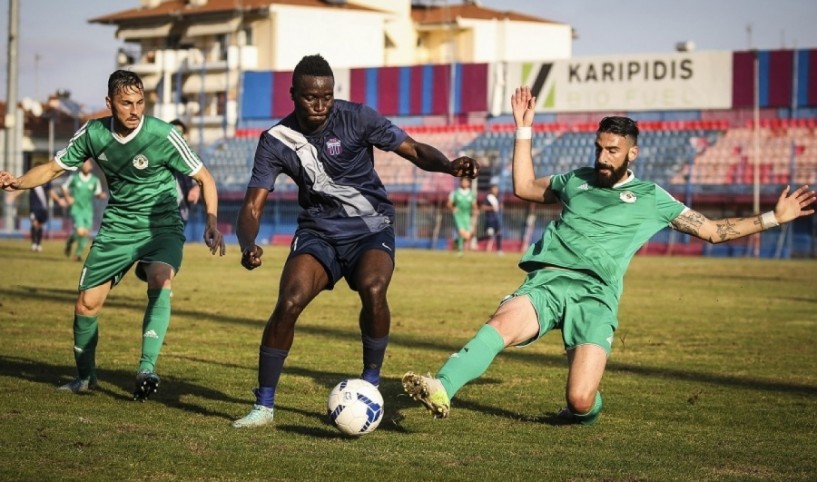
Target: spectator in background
79	192
189	191
463	205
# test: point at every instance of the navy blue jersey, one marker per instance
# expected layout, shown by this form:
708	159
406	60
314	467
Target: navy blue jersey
340	193
39	197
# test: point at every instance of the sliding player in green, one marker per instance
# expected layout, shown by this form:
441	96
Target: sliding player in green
575	272
141	226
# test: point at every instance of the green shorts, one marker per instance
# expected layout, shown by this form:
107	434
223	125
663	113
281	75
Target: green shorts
82	218
111	256
462	221
581	306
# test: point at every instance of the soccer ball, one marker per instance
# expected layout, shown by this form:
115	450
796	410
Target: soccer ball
355	406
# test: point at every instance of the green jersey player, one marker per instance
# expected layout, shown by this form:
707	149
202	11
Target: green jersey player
80	190
574	273
141	226
463	206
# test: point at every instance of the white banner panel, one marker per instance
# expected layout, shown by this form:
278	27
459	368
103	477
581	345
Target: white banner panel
669	81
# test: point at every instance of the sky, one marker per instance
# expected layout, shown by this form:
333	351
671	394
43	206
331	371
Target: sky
60	50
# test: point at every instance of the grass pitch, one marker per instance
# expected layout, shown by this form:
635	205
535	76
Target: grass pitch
713	377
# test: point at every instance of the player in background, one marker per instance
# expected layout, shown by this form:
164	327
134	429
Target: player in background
140	226
493	219
188	190
79	192
39	200
463	205
345	228
575	272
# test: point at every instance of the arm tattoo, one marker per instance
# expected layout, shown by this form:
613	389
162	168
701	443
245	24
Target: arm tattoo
726	230
693	223
689	223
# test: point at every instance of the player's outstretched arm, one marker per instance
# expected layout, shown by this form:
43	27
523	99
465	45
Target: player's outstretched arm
790	206
525	184
429	158
249	219
36	176
212	236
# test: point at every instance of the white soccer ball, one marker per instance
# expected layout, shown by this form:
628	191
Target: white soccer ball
355	406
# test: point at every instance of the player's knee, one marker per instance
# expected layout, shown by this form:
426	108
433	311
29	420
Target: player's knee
290	307
581	401
87	307
156	275
373	288
159	281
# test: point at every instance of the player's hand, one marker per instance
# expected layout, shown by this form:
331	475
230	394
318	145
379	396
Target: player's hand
465	167
523	105
8	181
251	257
792	206
213	237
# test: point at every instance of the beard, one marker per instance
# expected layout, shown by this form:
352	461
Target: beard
607	176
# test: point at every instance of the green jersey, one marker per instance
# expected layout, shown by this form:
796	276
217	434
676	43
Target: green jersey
139	169
83	187
601	229
463	201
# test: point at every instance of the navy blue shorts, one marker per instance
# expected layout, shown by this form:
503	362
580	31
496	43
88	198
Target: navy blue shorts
340	259
39	215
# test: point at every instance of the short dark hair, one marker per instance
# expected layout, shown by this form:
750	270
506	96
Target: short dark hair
622	126
178	123
313	66
122	80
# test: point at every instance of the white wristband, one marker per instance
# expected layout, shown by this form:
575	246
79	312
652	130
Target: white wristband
524	133
768	220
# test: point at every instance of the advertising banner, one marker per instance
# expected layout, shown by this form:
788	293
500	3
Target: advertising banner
644	82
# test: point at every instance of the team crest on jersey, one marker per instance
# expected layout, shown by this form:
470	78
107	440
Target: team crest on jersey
140	161
333	146
627	197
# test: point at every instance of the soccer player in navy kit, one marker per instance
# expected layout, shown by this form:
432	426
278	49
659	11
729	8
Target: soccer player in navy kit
345	226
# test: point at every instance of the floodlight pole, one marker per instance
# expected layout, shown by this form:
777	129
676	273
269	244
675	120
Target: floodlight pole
10	139
756	151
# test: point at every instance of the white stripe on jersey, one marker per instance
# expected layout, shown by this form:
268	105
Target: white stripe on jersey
354	203
184	150
61	152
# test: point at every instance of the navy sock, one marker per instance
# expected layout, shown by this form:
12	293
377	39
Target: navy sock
270	366
374	351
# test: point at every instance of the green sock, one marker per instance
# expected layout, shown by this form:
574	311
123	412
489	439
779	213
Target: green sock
591	416
86	335
472	360
81	243
154	327
459	244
